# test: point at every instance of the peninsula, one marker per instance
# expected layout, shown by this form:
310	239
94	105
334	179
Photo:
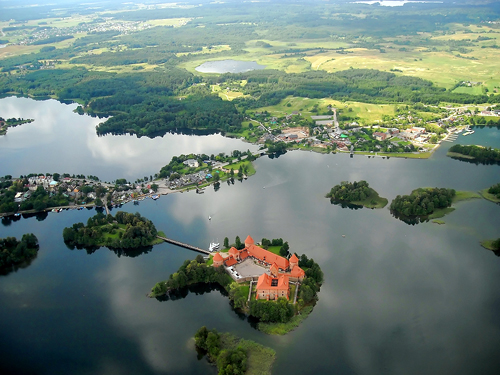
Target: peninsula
492	194
493	245
15	254
11	122
233	355
278	291
357	194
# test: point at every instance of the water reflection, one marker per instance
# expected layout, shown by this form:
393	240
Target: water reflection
344	204
62	141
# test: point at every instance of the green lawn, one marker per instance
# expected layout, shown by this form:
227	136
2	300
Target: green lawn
274	249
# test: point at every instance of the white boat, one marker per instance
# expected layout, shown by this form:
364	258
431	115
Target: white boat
155	197
214	246
209	217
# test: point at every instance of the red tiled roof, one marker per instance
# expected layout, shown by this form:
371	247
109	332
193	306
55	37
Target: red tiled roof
244	254
267	256
297	272
274	269
233	251
231	262
249	240
294	259
218	257
265	280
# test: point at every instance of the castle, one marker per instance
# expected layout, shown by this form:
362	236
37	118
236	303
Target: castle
274	282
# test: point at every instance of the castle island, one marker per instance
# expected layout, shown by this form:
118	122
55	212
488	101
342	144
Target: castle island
273	273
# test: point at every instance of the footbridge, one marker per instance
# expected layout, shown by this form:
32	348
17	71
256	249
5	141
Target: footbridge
184	245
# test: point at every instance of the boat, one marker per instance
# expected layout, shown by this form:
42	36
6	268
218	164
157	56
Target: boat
17	214
155	197
214	246
209	217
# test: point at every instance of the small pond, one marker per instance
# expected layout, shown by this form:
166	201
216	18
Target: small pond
228	66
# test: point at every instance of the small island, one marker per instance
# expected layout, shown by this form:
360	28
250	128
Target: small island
233	355
475	154
279	292
11	122
493	245
425	204
355	195
16	254
492	194
123	231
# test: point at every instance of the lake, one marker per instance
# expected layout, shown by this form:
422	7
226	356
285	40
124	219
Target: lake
228	66
397	298
61	141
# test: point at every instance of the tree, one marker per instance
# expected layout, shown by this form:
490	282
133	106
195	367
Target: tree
154	187
238	243
284	249
226	242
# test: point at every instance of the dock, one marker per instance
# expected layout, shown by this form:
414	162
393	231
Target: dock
184	245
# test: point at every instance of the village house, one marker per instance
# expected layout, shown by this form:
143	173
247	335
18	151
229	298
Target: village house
379	136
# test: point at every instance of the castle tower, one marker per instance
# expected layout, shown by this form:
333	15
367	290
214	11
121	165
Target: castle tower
274	270
294	261
249	241
218	260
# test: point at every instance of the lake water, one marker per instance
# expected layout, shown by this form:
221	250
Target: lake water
228	66
397	298
61	141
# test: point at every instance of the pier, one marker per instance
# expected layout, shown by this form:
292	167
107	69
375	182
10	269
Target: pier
184	245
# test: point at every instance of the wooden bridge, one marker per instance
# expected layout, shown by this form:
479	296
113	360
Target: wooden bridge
184	245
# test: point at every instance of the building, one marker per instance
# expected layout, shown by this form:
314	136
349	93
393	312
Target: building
379	136
274	283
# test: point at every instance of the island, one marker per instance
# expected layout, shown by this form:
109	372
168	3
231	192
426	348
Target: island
475	154
493	245
233	355
11	122
277	291
492	193
355	195
123	231
424	204
16	254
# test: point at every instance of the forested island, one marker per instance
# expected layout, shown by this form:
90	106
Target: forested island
476	154
493	245
11	122
492	193
422	203
123	231
272	317
357	194
233	355
15	254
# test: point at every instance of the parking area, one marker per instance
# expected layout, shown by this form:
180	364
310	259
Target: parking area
249	268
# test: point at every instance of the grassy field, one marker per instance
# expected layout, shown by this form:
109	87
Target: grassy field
459	196
373	201
484	193
284	328
260	358
488	244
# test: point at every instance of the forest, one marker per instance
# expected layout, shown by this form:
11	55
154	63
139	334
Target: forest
350	191
14	253
123	231
422	202
483	155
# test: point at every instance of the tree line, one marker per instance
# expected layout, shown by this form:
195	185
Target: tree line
483	155
14	253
